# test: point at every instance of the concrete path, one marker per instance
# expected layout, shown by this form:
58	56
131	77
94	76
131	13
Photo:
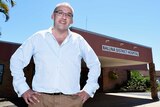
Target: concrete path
121	100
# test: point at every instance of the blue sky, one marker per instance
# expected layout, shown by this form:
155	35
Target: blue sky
137	21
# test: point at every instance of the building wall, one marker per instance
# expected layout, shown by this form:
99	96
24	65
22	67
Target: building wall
6	87
97	40
110	83
6	50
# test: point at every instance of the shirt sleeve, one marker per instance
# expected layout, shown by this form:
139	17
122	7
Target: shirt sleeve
93	64
18	61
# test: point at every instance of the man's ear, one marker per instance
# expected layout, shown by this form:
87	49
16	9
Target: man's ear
72	21
52	16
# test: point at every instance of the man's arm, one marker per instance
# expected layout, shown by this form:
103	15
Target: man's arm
93	64
18	61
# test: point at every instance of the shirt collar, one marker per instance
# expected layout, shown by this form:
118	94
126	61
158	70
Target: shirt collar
67	38
69	32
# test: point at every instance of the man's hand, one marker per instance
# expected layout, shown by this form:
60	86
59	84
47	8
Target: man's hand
84	96
31	97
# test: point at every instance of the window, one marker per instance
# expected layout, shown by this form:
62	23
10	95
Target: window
1	72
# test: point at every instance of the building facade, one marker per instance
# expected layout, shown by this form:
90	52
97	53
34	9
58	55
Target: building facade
117	58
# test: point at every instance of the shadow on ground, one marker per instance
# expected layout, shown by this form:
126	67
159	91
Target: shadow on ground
101	100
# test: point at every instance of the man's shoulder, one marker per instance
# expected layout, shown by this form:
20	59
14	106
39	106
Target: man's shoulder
42	31
76	35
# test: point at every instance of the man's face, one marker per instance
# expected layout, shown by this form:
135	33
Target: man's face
62	17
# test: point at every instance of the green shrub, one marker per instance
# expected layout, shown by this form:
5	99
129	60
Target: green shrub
136	83
158	88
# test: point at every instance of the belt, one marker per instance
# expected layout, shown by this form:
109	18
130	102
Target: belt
54	93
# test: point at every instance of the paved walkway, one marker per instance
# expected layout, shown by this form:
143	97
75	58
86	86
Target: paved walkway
102	100
121	100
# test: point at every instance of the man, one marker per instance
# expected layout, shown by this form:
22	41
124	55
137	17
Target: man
57	54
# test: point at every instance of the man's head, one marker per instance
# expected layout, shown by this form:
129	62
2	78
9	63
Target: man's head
66	5
63	15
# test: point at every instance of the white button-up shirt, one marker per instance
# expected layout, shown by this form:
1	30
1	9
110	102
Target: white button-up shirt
57	67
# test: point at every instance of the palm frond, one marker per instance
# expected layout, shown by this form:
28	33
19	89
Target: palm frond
11	2
4	7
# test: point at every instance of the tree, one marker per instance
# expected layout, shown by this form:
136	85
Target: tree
4	7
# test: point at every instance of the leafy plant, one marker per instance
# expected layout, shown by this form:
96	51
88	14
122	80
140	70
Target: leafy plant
136	83
4	8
